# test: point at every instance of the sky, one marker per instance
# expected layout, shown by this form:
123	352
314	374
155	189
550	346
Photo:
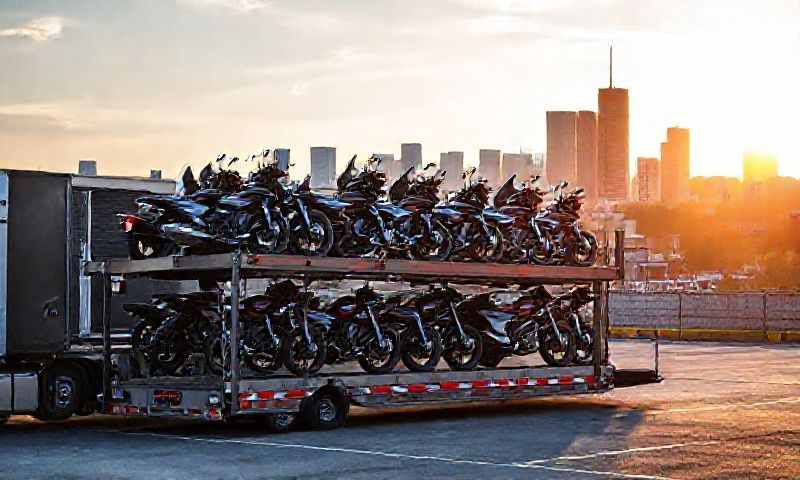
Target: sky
158	84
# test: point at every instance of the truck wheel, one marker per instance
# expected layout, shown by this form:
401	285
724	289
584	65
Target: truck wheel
279	422
3	420
61	393
324	410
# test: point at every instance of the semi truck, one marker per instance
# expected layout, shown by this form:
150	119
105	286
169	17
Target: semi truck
64	341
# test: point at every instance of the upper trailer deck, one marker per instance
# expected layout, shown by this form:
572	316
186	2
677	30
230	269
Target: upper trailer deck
219	266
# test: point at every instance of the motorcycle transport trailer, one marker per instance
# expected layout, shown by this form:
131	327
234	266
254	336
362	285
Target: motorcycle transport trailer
323	400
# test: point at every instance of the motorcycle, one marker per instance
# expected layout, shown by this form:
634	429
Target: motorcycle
369	230
356	332
207	222
522	205
559	238
441	309
476	233
520	328
429	239
421	346
567	308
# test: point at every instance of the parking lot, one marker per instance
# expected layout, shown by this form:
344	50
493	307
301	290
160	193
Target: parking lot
725	411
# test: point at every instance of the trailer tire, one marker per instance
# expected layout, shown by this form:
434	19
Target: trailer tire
3	419
325	410
279	422
60	394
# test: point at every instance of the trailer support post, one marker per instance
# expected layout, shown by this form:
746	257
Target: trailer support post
106	278
235	370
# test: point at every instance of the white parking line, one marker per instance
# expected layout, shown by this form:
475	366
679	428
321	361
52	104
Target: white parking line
725	407
404	456
612	453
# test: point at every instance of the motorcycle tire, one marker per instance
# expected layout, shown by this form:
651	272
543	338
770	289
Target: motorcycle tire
298	359
376	361
494	253
271	358
279	238
170	364
411	346
551	347
321	247
455	358
216	361
443	245
539	255
584	352
580	257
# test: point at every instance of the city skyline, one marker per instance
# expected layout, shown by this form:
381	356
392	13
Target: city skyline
299	75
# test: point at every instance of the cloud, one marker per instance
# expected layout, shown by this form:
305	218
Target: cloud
243	6
38	30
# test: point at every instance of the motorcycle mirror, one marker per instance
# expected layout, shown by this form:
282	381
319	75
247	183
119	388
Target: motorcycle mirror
233	160
265	153
430	165
535	178
220	157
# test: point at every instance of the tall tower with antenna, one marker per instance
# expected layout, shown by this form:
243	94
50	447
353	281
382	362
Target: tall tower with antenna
613	138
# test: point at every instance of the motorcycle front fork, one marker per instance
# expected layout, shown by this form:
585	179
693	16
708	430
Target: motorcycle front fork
376	328
462	336
554	324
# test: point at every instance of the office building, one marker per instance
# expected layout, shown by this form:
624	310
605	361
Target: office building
537	166
648	179
282	158
389	165
588	167
675	166
612	140
520	164
410	156
489	166
453	164
562	153
323	167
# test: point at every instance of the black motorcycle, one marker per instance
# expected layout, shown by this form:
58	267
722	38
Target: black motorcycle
521	328
421	343
475	237
357	332
522	205
208	222
429	239
559	238
440	308
567	309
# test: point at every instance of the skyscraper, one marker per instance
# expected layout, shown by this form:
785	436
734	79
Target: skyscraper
520	164
612	140
323	167
562	147
647	179
453	163
675	166
489	166
758	167
388	165
588	168
410	156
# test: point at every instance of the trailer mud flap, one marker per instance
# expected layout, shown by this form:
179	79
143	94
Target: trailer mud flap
633	377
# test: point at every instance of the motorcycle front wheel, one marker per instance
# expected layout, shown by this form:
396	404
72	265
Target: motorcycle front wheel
272	239
300	359
437	248
558	352
381	360
317	242
539	254
494	246
462	355
418	357
584	252
268	351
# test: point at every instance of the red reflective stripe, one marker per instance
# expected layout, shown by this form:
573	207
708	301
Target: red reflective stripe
382	390
565	380
245	404
266	395
503	382
295	394
589	379
417	388
480	384
523	381
448	385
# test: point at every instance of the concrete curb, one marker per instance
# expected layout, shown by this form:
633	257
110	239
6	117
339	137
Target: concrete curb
703	334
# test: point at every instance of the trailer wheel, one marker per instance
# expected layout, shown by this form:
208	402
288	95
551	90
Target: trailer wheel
61	393
279	422
325	410
3	420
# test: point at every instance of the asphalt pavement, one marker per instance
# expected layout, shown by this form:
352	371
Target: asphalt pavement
725	411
